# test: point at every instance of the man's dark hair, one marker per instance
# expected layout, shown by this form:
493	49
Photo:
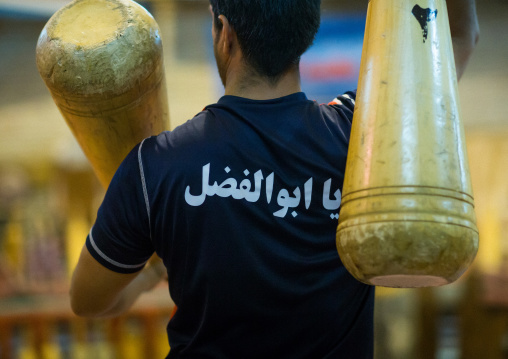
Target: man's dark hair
272	34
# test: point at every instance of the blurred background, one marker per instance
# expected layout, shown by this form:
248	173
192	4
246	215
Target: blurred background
49	195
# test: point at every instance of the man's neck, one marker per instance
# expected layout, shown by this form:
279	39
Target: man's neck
248	85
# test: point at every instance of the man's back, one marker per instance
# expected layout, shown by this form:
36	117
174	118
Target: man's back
244	201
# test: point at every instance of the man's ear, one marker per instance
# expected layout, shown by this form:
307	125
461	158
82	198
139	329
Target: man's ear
227	36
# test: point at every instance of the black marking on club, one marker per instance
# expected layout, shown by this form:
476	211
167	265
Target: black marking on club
424	16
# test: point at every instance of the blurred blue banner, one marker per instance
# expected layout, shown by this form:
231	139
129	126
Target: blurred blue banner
332	65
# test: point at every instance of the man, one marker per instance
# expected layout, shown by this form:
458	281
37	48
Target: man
241	203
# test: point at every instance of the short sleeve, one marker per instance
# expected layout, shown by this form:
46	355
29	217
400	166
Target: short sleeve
345	103
120	238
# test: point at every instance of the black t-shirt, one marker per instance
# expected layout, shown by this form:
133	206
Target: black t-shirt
242	203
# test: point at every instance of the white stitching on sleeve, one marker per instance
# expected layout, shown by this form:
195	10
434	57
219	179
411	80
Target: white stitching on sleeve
115	263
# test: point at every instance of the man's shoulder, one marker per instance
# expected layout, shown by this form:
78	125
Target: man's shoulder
189	138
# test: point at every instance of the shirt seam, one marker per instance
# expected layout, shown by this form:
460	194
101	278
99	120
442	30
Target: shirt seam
145	190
